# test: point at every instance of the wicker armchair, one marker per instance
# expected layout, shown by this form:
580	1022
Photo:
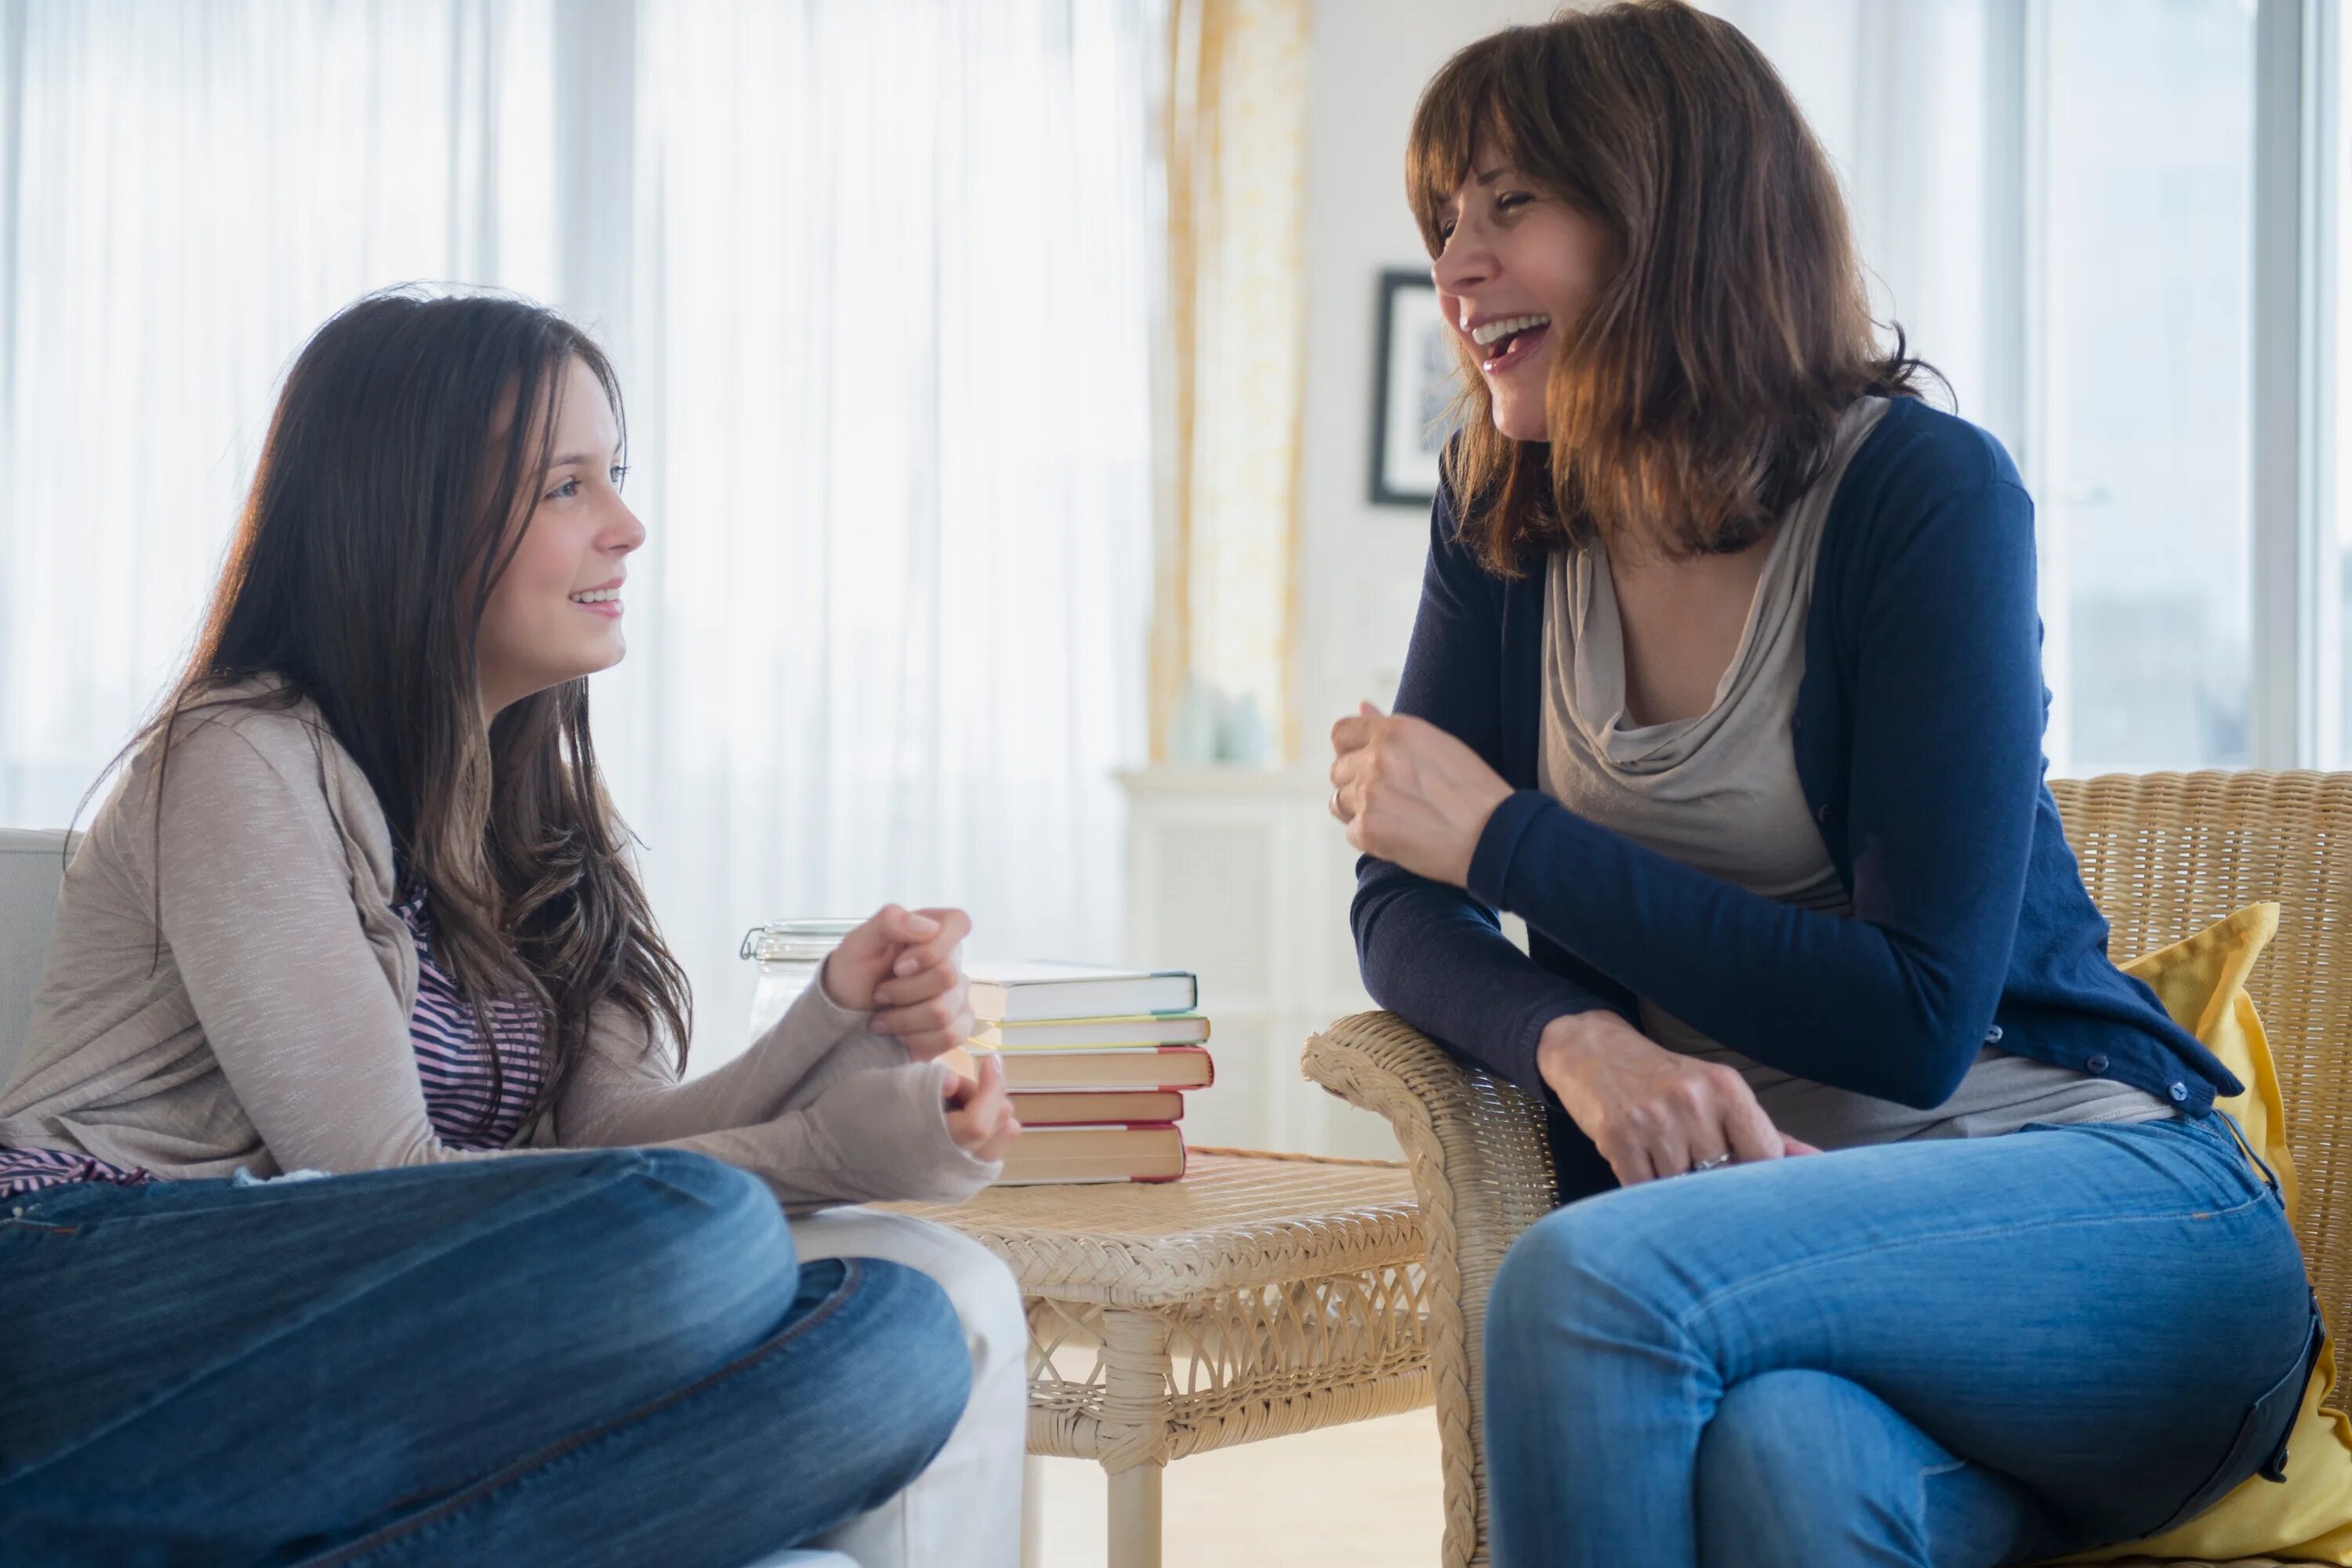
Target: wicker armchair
2163	854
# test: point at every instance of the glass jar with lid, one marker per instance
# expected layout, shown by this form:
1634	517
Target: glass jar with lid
789	953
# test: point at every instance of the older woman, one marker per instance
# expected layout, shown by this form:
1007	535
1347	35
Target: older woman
1726	679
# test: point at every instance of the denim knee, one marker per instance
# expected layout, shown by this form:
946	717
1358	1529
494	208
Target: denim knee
711	1209
912	1368
1578	1266
698	1249
1800	1466
1773	1480
719	1201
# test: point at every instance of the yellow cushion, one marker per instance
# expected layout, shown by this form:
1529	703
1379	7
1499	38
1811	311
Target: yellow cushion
2201	983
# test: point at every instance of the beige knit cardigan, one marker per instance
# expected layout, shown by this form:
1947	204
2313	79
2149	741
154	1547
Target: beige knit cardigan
268	1029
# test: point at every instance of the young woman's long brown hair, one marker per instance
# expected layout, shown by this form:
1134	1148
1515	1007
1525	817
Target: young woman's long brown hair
1697	397
392	489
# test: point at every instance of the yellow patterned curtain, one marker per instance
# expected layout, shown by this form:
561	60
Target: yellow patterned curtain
1235	141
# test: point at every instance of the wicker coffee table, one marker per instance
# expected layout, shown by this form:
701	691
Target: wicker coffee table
1262	1295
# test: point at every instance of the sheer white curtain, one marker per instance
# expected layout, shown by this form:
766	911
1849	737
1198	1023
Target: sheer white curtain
892	324
877	275
186	192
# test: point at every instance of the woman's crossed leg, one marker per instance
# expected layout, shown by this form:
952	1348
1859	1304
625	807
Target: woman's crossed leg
1956	1352
606	1357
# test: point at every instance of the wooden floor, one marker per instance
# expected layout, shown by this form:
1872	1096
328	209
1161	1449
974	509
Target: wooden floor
1360	1496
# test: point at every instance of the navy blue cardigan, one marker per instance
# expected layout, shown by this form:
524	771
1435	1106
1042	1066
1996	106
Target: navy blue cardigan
1918	743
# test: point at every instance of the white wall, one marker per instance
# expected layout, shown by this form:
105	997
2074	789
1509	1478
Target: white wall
1359	564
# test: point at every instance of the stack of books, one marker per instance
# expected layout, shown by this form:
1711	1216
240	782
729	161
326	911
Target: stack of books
1097	1062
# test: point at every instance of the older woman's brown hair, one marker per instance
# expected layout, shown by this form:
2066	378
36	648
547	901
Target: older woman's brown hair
1697	397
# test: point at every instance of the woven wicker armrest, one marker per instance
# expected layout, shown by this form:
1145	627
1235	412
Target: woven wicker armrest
1482	1171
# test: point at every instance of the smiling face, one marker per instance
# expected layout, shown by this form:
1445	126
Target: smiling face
1519	266
555	612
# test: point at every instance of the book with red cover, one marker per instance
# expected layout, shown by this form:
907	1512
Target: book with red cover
1145	1152
1096	1107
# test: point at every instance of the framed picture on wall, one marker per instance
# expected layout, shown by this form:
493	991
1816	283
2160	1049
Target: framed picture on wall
1415	387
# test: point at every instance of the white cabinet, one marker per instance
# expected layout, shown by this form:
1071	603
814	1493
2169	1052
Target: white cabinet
1240	874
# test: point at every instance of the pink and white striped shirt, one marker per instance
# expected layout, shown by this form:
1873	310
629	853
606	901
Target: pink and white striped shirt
472	1100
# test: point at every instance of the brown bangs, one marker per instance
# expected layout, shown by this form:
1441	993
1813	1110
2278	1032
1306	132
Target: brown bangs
1697	396
1460	110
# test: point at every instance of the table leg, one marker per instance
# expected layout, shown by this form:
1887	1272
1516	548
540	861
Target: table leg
1033	1512
1137	1379
1135	1516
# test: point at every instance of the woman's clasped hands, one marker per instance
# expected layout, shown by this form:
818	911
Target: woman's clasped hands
905	968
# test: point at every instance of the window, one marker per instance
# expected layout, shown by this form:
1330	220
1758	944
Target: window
886	633
2091	215
2329	472
2140	374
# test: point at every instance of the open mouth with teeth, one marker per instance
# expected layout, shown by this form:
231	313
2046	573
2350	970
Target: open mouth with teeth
1510	341
602	601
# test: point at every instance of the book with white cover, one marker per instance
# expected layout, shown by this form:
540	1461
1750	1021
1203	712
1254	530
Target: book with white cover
1021	993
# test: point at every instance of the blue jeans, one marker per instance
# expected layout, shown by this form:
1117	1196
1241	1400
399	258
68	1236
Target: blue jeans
1953	1354
609	1357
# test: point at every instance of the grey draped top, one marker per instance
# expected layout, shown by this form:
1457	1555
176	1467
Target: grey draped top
1719	792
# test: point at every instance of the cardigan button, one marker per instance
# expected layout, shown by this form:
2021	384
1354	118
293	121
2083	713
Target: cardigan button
2179	1091
1825	813
1992	1035
2095	1064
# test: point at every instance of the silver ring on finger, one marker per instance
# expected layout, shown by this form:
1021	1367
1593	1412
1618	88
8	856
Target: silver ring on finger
1711	1163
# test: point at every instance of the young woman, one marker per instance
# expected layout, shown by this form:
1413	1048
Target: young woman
1727	678
360	909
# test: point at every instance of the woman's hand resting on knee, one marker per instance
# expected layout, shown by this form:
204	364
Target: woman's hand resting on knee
1651	1111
